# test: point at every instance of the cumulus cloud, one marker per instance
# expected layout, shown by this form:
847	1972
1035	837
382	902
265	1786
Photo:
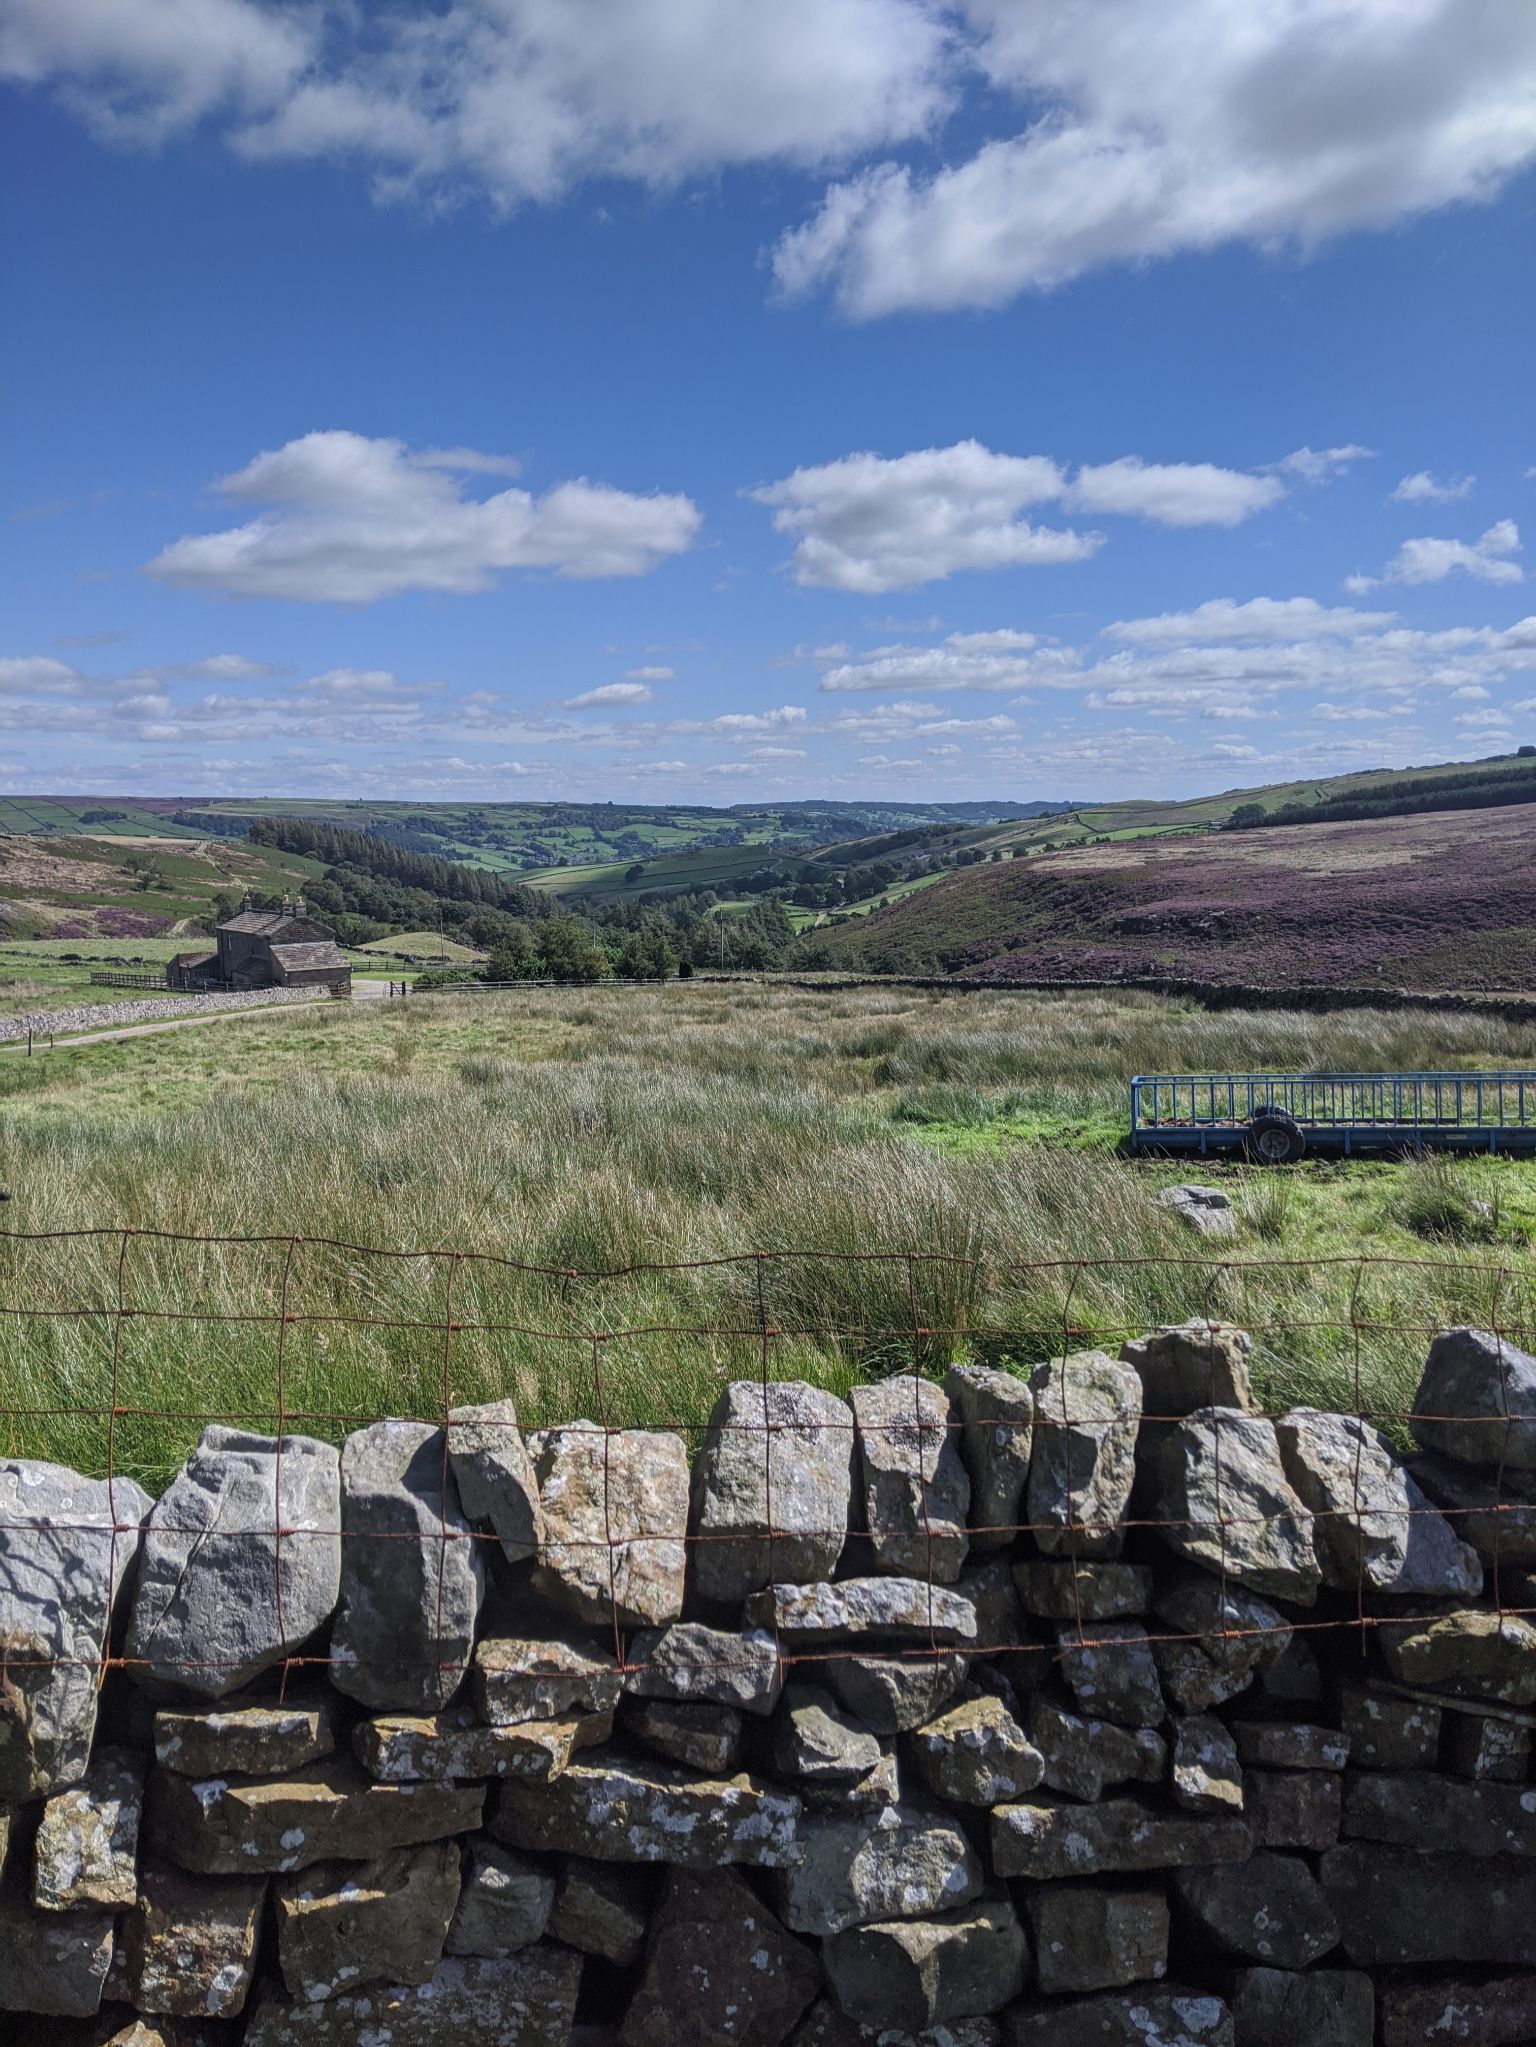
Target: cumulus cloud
660	674
1430	561
985	661
611	693
354	519
1223	621
38	674
1423	489
871	523
1322	465
1185	128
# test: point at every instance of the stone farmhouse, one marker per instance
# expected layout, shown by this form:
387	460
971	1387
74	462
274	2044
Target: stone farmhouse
284	948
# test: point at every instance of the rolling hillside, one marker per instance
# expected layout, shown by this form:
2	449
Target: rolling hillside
1445	899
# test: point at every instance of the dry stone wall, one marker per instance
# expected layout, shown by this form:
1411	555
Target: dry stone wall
1082	1708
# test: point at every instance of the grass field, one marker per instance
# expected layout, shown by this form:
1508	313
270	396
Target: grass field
966	1141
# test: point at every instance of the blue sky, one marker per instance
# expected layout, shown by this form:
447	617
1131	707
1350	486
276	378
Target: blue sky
692	399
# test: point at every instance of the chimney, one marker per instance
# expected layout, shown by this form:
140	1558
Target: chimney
298	906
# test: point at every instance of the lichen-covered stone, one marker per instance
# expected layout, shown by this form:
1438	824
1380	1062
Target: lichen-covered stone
1375	1529
1083	1461
1215	1639
1389	1733
893	1694
241	1562
873	1793
495	1476
699	1736
1476	1400
411	1573
1440	1814
1045	1839
906	1863
915	1489
1290	1745
407	1748
52	1964
1206	1773
914	1973
505	1904
344	1924
1089	1939
1398	1910
1069	1591
1500	2013
622	1811
816	1741
190	1944
1167	2017
87	1846
66	1546
790	1445
826	2026
996	1413
602	1909
711	1665
720	1968
526	2001
1315	2008
1224	1502
859	1609
1109	1668
246	1737
1267	1909
1487	1750
1472	1654
520	1677
1191	1364
1083	1757
325	1813
1294	1808
615	1506
976	1753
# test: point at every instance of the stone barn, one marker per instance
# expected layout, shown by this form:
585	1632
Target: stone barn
283	948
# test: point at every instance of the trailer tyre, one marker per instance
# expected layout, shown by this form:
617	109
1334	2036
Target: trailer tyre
1274	1140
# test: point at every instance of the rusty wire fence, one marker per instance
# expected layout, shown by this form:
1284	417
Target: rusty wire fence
104	1334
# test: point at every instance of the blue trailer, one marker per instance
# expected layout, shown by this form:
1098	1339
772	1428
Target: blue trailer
1277	1118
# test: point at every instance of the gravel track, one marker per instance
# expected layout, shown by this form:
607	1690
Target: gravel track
90	1016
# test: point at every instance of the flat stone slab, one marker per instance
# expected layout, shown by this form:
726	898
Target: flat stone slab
406	1748
615	1507
1166	2017
859	1609
620	1811
787	1448
327	1812
720	1967
247	1738
1440	1814
527	2001
87	1846
1088	1939
190	1945
1389	1733
912	1974
341	1925
1500	2013
1047	1839
1290	1745
906	1863
714	1666
996	1413
916	1490
1398	1911
519	1677
241	1562
690	1732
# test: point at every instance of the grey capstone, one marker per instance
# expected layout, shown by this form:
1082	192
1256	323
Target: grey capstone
1477	1400
411	1573
996	1413
615	1505
791	1445
1224	1501
221	1594
1191	1364
1083	1463
916	1492
495	1476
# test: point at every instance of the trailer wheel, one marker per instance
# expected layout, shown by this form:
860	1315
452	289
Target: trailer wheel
1274	1140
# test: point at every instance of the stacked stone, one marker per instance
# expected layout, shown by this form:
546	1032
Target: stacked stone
1008	1712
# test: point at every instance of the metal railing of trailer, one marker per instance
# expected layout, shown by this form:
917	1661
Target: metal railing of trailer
1333	1113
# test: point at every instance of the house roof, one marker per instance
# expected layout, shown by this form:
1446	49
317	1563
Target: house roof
194	959
272	924
319	952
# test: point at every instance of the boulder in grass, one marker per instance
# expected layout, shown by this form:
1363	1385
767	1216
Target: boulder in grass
1083	1461
907	1863
412	1578
241	1562
67	1544
529	1999
1189	1365
789	1446
615	1505
495	1476
1375	1529
1205	1210
910	1974
915	1490
1476	1401
1224	1502
996	1412
720	1967
1267	1909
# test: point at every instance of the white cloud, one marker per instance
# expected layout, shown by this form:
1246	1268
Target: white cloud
358	519
220	668
1431	561
1154	129
988	661
38	674
1322	465
1172	493
611	693
650	674
1223	621
1422	489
